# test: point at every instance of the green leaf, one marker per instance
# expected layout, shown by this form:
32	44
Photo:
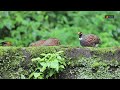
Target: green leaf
41	77
36	75
22	76
60	52
61	66
54	64
44	64
59	57
31	75
36	59
43	69
50	73
43	54
37	69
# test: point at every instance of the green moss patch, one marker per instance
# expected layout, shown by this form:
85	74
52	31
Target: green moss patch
16	61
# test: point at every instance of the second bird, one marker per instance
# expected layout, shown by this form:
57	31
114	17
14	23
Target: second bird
89	40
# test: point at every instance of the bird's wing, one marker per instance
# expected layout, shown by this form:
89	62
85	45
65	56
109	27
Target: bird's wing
91	38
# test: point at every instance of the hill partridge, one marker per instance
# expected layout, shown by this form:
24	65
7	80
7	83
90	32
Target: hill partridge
6	44
89	40
51	42
48	42
37	43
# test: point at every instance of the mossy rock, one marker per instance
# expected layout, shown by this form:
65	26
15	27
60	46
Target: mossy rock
16	61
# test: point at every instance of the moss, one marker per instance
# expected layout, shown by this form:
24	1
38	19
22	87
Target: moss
91	68
16	61
106	53
102	50
14	58
9	61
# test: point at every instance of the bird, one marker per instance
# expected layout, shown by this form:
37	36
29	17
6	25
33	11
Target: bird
51	42
37	43
48	42
6	43
89	40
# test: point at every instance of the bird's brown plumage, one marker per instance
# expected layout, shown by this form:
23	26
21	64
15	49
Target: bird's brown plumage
51	42
6	43
48	42
89	40
37	43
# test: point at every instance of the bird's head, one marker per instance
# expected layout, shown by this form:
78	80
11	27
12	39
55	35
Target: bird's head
80	34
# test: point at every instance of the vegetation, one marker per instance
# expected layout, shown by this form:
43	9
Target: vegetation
23	27
48	65
15	62
30	62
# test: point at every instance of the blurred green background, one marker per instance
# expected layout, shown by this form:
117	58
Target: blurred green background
23	27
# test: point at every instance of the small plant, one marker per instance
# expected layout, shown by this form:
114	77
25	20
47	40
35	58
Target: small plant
48	65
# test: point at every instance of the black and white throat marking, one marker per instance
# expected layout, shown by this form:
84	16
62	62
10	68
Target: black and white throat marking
80	37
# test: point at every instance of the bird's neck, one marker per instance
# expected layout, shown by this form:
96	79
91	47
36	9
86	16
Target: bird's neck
80	37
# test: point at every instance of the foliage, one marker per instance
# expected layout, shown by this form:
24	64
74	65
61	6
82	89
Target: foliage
48	65
15	62
23	27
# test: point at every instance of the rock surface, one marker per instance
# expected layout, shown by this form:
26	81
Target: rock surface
15	61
